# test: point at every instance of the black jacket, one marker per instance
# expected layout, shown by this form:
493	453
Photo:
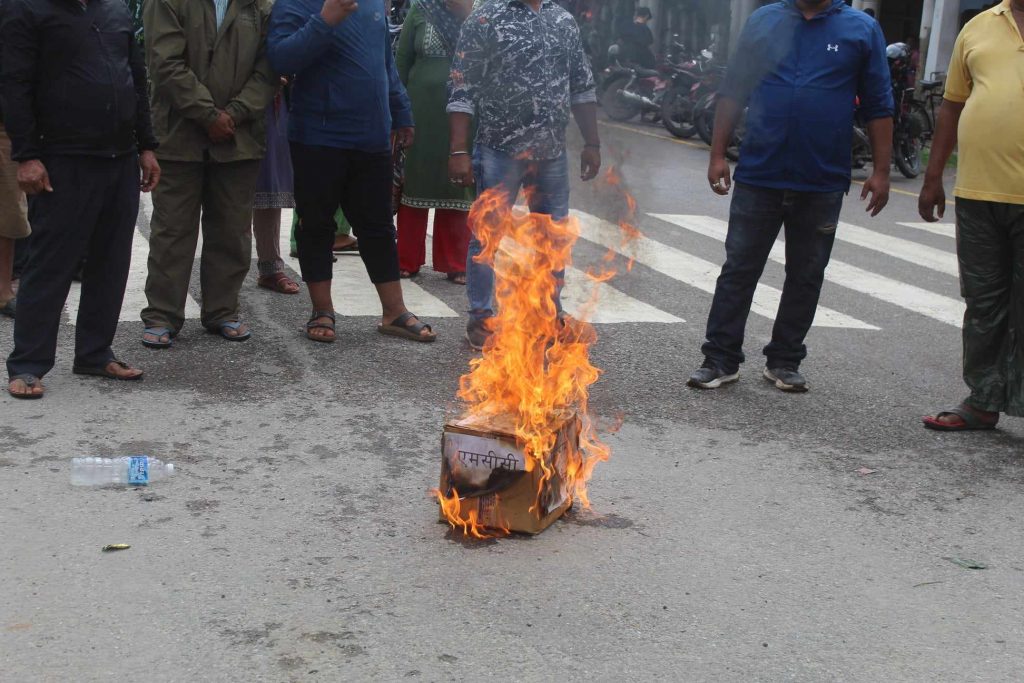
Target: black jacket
73	79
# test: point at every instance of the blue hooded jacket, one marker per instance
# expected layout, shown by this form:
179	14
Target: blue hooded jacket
801	79
346	93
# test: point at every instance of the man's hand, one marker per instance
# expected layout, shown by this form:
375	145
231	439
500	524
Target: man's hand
336	11
33	178
403	137
460	8
719	176
932	200
460	170
222	129
590	162
150	171
878	187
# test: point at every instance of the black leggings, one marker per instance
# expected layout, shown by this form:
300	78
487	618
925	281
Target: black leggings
358	182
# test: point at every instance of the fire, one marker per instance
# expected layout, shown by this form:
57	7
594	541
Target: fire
535	368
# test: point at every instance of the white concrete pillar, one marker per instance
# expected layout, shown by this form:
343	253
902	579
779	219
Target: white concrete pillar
945	26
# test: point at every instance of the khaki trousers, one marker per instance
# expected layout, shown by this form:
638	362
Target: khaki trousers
220	195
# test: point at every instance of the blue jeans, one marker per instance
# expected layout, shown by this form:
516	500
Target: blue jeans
547	185
755	218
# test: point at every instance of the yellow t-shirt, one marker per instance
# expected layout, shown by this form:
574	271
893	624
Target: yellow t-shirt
987	73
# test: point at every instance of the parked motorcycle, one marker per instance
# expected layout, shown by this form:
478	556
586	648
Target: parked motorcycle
704	123
910	121
628	91
687	84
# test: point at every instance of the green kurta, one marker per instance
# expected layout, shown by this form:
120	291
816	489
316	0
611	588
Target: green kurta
423	66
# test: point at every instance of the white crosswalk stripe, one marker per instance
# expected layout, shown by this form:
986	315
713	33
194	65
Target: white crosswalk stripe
135	291
597	302
899	248
696	272
355	295
935	306
944	229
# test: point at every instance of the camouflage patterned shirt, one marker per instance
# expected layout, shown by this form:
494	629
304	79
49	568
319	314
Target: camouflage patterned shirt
519	72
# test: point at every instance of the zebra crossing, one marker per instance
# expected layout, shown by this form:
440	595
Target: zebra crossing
683	269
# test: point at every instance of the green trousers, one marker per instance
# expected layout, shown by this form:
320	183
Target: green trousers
990	248
216	197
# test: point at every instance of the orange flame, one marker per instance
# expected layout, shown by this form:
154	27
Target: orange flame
535	368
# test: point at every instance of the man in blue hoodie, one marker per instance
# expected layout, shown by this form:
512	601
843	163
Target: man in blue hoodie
800	66
348	111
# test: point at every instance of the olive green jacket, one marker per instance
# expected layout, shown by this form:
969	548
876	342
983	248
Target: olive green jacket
197	70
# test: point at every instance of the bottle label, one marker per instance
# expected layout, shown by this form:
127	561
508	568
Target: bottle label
138	470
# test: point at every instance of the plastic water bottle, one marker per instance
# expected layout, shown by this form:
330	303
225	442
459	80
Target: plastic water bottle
136	470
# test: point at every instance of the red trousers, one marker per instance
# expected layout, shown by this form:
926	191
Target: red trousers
451	239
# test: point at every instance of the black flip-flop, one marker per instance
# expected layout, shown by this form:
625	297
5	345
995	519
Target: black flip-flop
9	308
315	324
103	372
970	421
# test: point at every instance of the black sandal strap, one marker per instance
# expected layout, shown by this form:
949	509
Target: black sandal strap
416	327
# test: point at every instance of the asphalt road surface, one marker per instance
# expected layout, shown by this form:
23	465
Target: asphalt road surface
735	535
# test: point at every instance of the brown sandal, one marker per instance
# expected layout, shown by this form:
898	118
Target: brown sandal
279	282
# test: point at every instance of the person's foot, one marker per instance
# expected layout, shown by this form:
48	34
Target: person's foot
8	306
955	421
477	333
457	278
345	244
406	274
710	376
25	386
157	337
407	325
786	379
119	370
320	328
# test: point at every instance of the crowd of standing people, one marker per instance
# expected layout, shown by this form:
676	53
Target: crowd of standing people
237	109
231	111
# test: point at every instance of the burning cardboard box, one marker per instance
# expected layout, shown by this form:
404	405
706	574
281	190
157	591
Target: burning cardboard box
488	481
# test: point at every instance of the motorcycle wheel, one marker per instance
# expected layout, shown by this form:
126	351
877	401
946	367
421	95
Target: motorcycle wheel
704	118
614	106
676	114
908	156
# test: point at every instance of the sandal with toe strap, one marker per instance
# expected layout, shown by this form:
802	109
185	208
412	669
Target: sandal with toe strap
404	328
31	382
158	332
103	371
278	282
315	324
970	421
222	328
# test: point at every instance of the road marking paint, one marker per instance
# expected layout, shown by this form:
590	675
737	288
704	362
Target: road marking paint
613	305
935	306
354	294
899	248
696	272
135	291
944	229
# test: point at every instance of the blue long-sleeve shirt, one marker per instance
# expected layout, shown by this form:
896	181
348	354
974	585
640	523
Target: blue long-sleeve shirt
346	92
801	79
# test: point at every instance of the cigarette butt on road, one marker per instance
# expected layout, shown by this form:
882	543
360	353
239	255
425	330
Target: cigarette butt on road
115	546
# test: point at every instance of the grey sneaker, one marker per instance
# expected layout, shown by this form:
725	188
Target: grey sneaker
477	333
710	376
786	379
